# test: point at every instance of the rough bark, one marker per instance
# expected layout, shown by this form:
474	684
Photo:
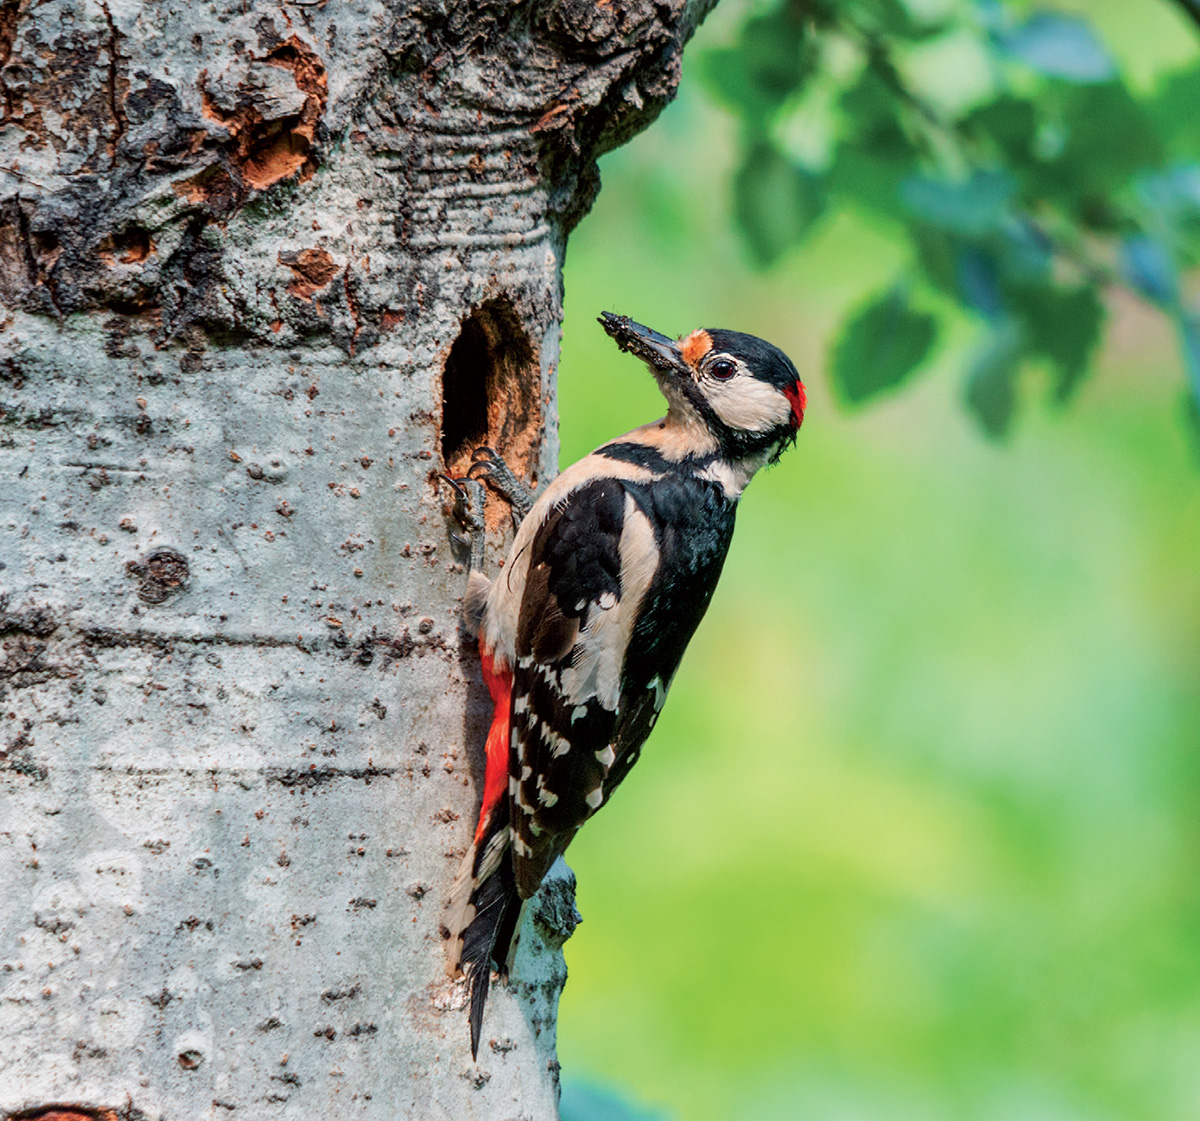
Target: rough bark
266	269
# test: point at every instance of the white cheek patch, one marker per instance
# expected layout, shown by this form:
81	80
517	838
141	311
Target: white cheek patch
748	404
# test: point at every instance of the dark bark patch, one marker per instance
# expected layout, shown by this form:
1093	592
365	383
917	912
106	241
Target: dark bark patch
26	255
130	246
37	621
491	386
163	573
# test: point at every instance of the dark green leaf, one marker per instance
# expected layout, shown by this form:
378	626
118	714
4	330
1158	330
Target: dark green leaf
768	64
1107	140
773	47
1173	109
725	75
991	390
938	254
1059	47
872	114
880	346
1011	124
775	202
875	154
1062	325
893	19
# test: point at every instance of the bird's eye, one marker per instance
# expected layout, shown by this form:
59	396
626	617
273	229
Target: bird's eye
723	370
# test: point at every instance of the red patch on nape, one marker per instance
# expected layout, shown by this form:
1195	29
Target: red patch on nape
799	399
695	347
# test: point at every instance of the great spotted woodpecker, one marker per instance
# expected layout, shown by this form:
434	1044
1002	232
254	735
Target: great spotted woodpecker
611	571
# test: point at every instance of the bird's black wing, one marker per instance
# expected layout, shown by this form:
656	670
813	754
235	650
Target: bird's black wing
563	715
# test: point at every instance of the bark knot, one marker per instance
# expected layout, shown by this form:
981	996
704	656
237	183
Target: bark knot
163	573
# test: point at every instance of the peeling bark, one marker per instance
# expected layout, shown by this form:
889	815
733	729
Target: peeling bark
265	270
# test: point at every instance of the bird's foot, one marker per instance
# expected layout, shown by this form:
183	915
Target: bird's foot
467	510
487	464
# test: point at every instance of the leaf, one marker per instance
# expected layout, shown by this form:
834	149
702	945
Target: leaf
1011	123
1060	47
1173	109
979	272
893	19
1064	326
768	64
971	206
773	49
991	389
775	202
880	346
978	283
1024	253
1146	265
1108	140
875	154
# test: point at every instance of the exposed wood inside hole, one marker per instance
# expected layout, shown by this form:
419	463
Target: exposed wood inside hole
491	394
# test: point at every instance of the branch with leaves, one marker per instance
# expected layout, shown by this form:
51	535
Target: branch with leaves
1018	208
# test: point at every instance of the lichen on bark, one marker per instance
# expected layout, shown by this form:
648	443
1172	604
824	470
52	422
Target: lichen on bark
265	269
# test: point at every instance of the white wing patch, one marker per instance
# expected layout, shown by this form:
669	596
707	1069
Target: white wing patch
503	605
557	744
599	655
545	797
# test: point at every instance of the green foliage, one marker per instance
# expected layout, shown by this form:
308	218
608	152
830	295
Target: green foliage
1019	205
775	202
881	345
991	392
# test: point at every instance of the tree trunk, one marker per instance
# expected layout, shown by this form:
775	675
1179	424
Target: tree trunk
266	269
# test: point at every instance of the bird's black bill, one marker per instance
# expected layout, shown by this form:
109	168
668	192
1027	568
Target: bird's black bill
647	344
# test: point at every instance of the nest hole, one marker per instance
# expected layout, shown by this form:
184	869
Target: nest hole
491	391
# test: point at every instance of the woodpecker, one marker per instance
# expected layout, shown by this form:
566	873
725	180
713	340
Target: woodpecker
608	577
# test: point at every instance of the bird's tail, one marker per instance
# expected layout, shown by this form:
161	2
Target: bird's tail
484	911
482	920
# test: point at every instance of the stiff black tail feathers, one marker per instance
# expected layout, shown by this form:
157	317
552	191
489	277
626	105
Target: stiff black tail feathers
488	938
483	915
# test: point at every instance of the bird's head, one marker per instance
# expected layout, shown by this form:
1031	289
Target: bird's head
744	392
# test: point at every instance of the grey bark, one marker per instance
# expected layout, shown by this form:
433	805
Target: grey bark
266	269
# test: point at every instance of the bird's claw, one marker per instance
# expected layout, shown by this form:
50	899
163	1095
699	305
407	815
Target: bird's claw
468	512
490	465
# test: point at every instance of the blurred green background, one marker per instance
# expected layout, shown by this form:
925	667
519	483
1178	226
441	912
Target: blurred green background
918	835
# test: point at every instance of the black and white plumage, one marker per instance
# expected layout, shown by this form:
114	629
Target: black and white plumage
581	634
